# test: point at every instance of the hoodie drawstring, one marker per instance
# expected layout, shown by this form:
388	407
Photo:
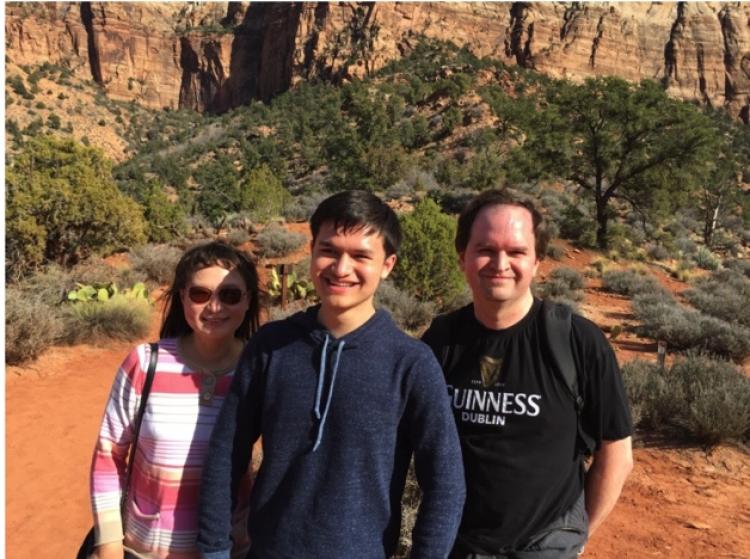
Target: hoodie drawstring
319	391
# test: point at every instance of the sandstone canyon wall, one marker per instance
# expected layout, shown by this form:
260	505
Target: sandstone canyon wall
214	56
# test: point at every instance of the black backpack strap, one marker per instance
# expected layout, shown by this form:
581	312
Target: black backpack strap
558	333
153	358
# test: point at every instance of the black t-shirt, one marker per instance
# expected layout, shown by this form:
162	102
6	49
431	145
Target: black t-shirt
517	422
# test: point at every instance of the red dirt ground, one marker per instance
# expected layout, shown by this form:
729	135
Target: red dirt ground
678	502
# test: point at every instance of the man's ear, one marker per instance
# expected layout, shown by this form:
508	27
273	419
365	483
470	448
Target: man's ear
461	261
388	264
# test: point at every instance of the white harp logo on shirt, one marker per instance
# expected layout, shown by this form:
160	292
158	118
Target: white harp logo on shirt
490	368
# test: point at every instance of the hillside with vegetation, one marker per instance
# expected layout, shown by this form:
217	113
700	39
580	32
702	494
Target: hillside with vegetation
102	196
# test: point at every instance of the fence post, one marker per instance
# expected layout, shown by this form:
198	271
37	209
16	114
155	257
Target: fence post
661	353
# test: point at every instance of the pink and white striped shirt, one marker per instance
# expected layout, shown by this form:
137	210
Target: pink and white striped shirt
161	513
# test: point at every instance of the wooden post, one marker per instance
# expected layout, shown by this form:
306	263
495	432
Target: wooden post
661	353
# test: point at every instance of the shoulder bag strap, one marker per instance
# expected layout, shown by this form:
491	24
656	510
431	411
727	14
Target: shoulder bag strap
153	358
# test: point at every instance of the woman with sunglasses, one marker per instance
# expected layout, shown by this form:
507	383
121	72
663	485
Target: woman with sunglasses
210	311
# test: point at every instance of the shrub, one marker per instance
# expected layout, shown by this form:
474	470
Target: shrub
564	285
577	225
53	122
646	388
630	282
555	252
263	194
739	265
705	398
685	246
93	270
48	284
663	319
459	299
715	402
684	270
415	180
725	295
427	265
165	219
31	325
62	205
569	276
119	317
453	200
275	241
705	259
238	237
19	87
157	262
657	252
303	207
408	312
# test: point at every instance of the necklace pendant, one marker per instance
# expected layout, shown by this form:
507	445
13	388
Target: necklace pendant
207	388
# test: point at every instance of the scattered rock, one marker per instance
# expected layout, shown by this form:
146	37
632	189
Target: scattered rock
697	525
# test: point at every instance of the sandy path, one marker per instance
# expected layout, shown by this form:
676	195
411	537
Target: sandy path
53	413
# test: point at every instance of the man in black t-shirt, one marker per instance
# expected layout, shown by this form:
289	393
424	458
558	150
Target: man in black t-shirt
527	493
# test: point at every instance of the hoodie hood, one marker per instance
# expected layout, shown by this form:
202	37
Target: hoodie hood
307	320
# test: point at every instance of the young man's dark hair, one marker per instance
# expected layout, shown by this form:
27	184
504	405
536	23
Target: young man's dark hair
501	198
354	209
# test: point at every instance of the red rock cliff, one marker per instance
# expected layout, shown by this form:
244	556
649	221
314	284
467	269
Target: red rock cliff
214	56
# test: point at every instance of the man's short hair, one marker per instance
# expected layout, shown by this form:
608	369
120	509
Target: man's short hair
501	198
352	210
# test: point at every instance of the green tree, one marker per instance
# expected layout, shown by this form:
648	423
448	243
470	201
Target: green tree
263	194
617	140
427	265
219	189
165	219
63	205
720	190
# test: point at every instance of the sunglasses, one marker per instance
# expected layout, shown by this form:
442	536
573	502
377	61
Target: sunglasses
227	295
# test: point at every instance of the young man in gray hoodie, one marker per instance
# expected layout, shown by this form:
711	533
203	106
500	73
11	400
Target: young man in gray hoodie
342	399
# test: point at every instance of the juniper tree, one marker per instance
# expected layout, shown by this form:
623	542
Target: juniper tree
616	140
62	205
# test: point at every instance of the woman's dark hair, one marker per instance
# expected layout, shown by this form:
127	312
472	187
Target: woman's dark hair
215	253
354	209
501	198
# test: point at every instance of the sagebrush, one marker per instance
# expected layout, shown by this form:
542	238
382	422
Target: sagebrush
275	241
120	318
701	397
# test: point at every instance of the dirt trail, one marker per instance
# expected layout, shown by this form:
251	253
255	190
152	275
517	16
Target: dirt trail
678	503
